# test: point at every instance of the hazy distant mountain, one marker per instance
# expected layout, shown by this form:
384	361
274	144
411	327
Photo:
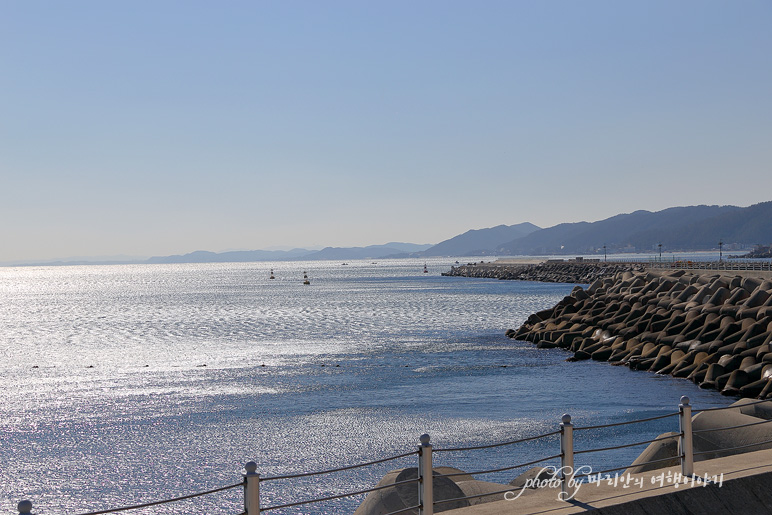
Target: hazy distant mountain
678	228
370	252
480	242
238	256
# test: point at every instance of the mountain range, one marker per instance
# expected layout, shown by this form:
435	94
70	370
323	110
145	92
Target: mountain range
676	229
369	252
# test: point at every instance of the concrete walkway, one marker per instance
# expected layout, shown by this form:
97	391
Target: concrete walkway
746	488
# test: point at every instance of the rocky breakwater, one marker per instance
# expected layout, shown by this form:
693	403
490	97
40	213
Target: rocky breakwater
713	330
549	272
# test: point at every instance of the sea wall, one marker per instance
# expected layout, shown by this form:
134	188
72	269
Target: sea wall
711	329
550	272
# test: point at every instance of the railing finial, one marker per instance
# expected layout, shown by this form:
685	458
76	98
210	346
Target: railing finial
24	507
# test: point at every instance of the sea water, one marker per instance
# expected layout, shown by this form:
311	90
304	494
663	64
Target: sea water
129	384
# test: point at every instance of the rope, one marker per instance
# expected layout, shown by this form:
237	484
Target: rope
478	495
695	411
404	510
499	470
627	445
306	474
710	430
340	496
718	451
156	503
476	447
626	423
625	467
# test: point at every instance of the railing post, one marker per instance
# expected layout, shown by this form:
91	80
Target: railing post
24	507
251	489
687	449
425	479
566	457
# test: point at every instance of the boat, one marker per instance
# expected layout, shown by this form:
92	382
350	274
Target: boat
425	270
272	276
305	278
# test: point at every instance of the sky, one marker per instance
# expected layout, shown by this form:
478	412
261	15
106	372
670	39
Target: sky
147	128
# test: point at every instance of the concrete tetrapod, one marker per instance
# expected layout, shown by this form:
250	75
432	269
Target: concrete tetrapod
714	330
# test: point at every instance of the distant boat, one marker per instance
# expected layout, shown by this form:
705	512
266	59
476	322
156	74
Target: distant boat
272	277
425	270
344	264
305	278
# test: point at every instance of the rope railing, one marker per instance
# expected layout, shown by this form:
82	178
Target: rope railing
719	451
719	408
340	496
166	501
340	469
615	469
615	424
714	429
567	474
491	446
520	465
404	510
477	496
614	447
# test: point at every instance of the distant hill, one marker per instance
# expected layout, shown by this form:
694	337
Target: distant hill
678	229
480	242
237	256
370	252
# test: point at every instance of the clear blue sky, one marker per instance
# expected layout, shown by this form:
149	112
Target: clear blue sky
161	127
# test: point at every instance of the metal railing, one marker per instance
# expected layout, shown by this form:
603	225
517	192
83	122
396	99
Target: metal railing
567	474
734	264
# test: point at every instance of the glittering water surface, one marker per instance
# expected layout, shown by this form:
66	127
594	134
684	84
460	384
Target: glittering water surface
129	384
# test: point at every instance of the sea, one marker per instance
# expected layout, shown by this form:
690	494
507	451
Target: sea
130	384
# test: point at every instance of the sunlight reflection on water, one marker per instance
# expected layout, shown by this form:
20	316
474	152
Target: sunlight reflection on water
200	368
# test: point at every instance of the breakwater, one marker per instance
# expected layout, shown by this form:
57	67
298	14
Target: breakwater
711	329
550	272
